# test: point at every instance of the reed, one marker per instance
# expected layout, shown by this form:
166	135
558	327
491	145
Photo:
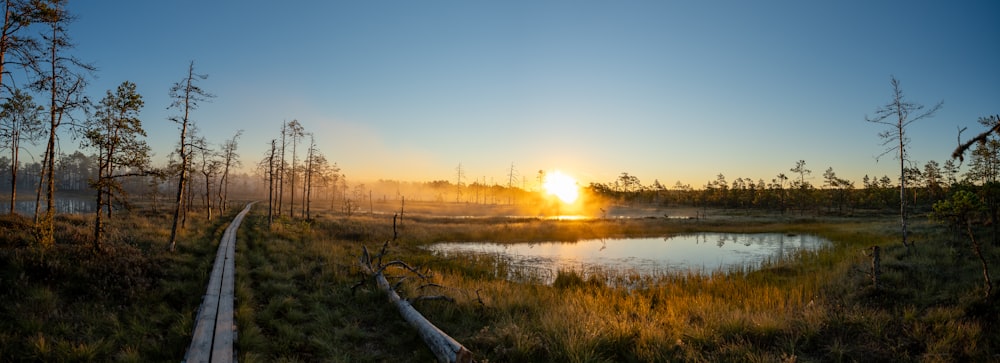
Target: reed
296	301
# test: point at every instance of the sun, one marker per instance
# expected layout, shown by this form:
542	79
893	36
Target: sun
562	186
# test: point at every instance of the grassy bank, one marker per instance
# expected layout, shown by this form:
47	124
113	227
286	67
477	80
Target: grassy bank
818	307
297	301
134	302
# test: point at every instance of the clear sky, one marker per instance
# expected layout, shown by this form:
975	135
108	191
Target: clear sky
667	90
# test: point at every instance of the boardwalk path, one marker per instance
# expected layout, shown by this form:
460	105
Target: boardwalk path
215	330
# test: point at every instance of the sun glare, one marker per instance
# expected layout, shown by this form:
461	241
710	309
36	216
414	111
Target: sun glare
562	186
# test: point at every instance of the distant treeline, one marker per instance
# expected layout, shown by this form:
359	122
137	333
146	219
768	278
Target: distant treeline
75	172
925	186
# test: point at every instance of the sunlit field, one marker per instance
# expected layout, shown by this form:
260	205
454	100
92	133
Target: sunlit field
499	181
301	295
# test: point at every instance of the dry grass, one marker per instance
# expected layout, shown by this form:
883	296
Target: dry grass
133	301
295	300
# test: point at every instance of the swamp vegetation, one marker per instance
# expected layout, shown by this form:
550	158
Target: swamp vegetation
298	296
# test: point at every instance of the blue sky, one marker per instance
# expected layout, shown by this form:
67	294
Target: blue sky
667	90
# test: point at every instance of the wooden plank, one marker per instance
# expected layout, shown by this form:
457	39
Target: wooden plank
214	335
204	330
225	326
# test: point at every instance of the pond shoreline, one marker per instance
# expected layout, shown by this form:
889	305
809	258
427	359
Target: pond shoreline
685	253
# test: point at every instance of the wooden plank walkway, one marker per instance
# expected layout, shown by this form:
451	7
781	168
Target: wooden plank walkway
215	330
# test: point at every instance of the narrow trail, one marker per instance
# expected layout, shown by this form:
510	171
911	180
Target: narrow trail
215	330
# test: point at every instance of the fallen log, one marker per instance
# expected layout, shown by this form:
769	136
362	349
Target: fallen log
444	347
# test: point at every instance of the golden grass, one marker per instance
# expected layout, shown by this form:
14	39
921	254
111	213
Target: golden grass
818	306
295	300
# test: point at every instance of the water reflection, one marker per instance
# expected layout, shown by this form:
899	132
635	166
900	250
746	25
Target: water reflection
63	205
697	253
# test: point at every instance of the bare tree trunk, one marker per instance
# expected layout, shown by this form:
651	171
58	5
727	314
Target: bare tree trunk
13	162
98	222
48	228
281	167
208	194
190	199
309	173
444	347
902	186
270	186
38	189
179	201
988	284
182	179
291	194
4	42
897	116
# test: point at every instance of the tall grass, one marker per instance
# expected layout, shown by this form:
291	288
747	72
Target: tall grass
295	302
132	301
816	306
298	297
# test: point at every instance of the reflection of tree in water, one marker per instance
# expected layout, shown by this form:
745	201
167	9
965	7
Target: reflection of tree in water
722	240
63	205
643	257
780	242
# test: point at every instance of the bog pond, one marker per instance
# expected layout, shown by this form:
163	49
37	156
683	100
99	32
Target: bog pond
700	253
62	205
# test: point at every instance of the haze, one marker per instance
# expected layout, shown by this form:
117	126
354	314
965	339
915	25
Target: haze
668	91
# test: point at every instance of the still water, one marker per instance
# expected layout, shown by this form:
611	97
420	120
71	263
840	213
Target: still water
696	253
62	205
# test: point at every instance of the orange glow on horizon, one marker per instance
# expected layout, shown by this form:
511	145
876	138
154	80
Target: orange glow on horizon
562	186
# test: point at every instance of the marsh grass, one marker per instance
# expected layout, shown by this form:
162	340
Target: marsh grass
812	306
295	302
131	302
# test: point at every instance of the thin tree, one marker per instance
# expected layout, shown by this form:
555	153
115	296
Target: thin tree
20	120
187	95
459	175
296	132
511	176
59	76
209	166
281	166
230	159
115	132
17	48
897	115
270	181
312	163
800	168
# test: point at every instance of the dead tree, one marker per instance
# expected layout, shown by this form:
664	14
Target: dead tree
296	132
959	152
281	166
897	116
444	347
186	95
230	160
